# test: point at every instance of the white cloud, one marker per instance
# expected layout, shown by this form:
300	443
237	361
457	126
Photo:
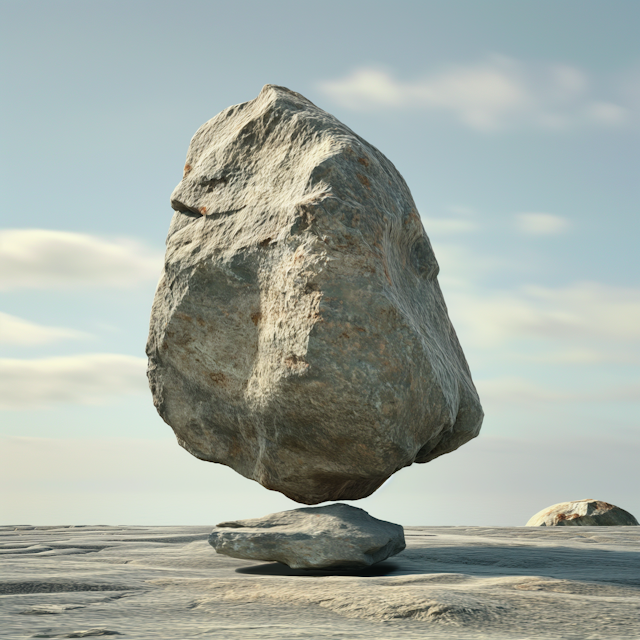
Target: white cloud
447	226
582	323
520	391
463	267
479	95
607	113
541	224
587	355
568	315
455	220
46	259
81	379
367	87
588	310
496	93
16	331
533	348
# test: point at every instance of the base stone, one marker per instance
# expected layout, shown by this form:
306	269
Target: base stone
336	535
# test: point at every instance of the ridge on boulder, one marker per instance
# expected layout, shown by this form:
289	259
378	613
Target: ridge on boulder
582	513
298	332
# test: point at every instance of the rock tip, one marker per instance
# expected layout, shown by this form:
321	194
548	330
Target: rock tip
278	91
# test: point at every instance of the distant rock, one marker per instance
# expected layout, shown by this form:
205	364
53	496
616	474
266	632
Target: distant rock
298	333
336	535
582	513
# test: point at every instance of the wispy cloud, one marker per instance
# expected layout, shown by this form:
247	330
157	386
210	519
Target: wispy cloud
46	259
541	224
16	331
81	379
489	95
464	265
580	324
453	221
577	313
521	391
448	226
587	355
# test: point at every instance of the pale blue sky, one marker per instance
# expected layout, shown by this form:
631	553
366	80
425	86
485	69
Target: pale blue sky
516	125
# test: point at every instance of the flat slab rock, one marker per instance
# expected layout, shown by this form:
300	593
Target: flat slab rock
582	513
336	535
298	333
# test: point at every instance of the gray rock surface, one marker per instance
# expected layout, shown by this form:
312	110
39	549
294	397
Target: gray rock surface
582	513
450	583
336	535
298	332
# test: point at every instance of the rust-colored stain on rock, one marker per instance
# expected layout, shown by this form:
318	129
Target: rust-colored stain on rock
296	362
363	180
218	378
564	516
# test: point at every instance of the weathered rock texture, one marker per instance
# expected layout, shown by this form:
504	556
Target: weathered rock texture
298	333
582	513
336	535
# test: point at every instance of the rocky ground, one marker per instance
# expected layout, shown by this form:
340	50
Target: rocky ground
451	582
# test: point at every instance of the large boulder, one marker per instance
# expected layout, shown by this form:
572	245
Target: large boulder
298	332
582	513
336	535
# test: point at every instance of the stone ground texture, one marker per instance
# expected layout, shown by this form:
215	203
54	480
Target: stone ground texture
298	332
454	583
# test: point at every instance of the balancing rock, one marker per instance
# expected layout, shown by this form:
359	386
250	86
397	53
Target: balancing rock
336	535
298	332
582	513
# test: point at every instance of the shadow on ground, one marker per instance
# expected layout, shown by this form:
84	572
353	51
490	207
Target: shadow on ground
592	565
277	569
